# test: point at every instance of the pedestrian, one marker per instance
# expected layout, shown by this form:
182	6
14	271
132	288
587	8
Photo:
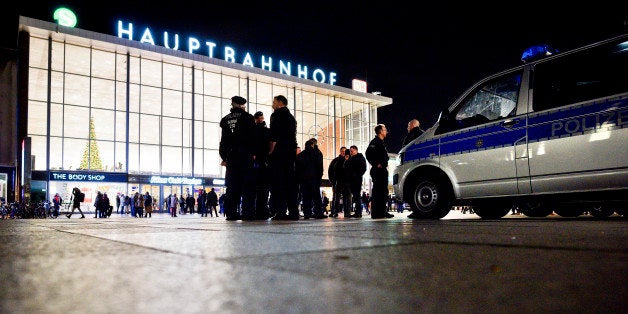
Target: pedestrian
98	205
377	156
212	202
202	202
343	179
107	207
127	205
76	199
282	155
414	131
331	174
325	202
189	202
357	164
118	203
173	201
260	167
182	207
139	206
148	205
56	204
236	150
221	203
365	202
309	170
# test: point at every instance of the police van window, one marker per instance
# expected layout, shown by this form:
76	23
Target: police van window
497	99
582	76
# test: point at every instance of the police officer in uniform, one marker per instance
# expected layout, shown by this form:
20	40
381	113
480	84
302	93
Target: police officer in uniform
377	156
236	151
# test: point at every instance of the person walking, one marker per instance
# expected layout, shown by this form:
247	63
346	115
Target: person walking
236	151
76	199
377	156
98	205
282	156
343	178
212	202
309	169
331	173
260	167
357	164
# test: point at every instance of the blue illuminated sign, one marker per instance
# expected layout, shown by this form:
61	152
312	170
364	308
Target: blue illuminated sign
171	41
87	176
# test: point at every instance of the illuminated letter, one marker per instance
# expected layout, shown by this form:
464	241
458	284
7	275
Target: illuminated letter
284	69
302	71
267	65
210	46
176	41
122	31
248	60
147	37
317	73
332	78
193	44
229	54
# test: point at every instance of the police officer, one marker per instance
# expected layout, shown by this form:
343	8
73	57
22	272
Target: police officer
236	151
260	167
377	156
283	152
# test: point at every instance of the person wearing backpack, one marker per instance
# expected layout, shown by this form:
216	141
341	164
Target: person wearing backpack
76	198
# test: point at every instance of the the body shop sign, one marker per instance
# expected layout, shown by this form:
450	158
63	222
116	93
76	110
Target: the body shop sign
87	176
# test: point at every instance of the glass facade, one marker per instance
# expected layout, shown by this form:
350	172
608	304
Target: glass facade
99	106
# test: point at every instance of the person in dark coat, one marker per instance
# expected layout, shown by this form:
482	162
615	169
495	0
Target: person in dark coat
309	169
282	155
189	202
331	173
377	156
236	150
260	167
414	131
358	168
212	202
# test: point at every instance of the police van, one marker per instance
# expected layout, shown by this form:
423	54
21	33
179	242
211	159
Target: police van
547	136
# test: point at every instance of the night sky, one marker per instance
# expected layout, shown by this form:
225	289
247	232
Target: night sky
421	58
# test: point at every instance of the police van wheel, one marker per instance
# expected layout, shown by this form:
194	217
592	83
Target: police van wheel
431	199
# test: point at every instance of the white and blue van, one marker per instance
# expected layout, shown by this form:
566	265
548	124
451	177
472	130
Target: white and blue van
547	136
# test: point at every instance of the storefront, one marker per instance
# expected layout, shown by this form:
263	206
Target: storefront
141	117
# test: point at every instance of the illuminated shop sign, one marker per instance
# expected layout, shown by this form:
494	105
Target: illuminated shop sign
175	180
218	182
229	54
87	176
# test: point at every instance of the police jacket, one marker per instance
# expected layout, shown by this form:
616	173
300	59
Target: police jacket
377	153
309	164
262	142
283	131
236	141
331	171
358	166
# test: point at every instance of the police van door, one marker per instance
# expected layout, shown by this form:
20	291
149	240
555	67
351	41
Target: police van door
482	131
577	130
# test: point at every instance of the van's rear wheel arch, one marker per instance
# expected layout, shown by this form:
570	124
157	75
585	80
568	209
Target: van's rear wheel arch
429	193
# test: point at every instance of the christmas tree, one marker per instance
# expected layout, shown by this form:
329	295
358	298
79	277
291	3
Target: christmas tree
91	156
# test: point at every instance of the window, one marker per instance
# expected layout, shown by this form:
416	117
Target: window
494	100
578	77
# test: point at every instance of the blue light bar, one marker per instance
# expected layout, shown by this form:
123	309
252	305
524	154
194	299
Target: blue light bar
537	52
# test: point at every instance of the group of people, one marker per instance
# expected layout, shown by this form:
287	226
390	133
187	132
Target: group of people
267	177
206	203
